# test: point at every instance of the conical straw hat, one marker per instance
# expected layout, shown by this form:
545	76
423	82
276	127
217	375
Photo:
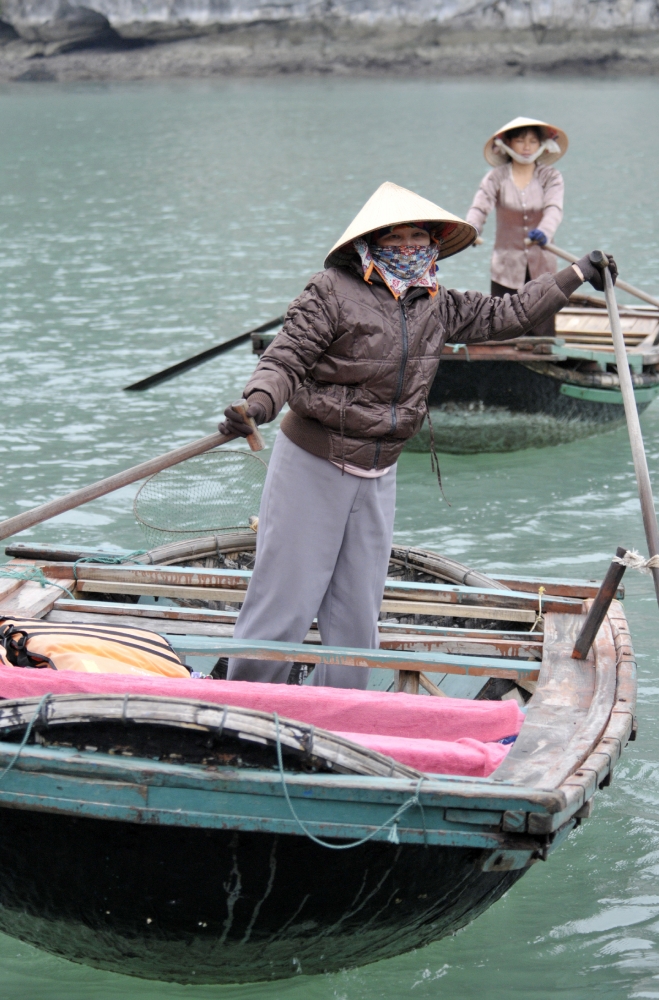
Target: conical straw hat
392	205
497	159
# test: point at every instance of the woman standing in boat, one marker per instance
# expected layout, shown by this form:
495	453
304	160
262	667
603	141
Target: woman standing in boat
355	360
527	193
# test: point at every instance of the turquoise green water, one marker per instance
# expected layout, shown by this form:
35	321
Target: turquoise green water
140	224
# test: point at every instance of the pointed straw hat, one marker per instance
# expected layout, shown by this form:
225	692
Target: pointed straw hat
392	205
497	159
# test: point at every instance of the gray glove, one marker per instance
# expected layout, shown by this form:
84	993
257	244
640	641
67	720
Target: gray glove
234	423
593	274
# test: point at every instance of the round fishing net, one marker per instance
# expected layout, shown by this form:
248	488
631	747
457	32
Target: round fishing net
213	493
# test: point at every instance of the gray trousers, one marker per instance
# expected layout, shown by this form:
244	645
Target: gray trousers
322	550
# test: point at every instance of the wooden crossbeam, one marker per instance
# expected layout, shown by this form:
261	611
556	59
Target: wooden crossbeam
582	589
436	662
237	597
458	611
157	611
488	644
112	608
227	585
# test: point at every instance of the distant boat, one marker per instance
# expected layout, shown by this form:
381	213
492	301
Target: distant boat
151	835
535	392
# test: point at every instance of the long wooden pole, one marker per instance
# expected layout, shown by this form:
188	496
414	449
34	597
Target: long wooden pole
201	358
622	285
633	423
54	507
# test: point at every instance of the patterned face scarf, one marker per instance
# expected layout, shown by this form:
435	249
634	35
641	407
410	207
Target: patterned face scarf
400	267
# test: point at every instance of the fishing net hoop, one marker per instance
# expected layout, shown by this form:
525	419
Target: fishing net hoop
215	493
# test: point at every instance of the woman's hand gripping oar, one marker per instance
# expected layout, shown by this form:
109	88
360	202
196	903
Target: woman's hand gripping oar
622	285
601	261
47	510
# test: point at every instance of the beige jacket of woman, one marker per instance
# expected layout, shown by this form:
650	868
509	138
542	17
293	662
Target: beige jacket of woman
538	206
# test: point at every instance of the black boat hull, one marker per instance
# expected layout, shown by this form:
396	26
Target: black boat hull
489	406
216	906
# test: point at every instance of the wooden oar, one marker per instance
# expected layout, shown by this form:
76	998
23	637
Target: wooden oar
600	260
201	358
622	285
54	507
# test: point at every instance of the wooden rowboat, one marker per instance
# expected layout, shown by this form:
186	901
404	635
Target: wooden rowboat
158	836
538	391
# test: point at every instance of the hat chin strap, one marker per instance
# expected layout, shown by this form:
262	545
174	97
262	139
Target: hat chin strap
549	146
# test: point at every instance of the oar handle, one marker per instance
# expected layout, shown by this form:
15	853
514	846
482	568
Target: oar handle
54	507
622	285
599	259
254	440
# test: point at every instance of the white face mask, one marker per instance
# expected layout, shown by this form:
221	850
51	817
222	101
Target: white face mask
549	145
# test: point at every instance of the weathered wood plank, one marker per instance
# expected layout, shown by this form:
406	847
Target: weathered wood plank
238	596
581	589
393	626
161	625
414	643
31	600
458	611
592	727
501	638
119	609
436	662
470	647
162	590
581	784
8	586
558	709
407	681
225	580
457	594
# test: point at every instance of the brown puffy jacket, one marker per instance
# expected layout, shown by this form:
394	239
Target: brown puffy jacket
356	366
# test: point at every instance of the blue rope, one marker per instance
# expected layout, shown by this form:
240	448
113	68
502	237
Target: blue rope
392	821
108	560
28	732
33	574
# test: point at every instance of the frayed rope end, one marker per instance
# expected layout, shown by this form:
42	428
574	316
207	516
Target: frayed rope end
634	560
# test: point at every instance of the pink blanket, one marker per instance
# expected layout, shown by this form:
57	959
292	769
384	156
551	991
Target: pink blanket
464	756
439	735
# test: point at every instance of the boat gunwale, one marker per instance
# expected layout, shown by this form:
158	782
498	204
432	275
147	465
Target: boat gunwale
543	811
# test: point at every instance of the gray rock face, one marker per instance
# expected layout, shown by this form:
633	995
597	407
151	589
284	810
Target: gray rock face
60	25
482	15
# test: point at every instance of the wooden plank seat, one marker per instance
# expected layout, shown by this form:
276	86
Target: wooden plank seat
193	621
388	659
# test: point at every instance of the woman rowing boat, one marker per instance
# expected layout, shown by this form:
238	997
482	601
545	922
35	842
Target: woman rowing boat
355	360
527	193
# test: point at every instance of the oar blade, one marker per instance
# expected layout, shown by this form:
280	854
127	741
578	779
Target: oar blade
201	358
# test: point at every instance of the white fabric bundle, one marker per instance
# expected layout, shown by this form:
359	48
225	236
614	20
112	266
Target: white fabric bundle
549	146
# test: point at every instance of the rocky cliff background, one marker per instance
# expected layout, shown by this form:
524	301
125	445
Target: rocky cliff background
132	39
